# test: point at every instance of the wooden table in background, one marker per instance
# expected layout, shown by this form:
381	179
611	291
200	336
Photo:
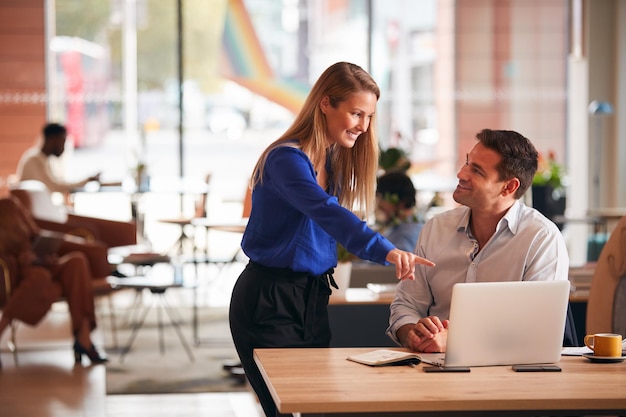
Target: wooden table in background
322	381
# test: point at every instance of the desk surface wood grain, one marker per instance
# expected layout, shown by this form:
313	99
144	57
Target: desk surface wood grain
323	381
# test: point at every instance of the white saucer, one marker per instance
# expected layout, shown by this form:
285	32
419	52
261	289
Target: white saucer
603	359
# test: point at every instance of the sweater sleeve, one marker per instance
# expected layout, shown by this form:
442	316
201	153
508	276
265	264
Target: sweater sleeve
293	178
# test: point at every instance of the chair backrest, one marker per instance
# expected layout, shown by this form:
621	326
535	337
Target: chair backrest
8	278
606	308
36	196
201	203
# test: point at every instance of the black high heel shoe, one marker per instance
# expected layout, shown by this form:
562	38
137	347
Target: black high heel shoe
92	354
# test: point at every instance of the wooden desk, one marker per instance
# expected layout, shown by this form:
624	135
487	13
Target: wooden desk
323	381
599	223
579	277
608	213
355	296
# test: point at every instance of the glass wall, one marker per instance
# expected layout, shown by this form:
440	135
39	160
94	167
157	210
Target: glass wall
248	64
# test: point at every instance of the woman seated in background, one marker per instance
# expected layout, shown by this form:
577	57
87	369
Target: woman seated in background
396	215
41	280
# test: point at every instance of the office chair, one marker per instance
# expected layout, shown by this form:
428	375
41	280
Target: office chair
606	308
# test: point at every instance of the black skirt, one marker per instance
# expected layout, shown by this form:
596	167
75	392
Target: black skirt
275	308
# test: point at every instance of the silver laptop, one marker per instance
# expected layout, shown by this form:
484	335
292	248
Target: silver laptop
505	323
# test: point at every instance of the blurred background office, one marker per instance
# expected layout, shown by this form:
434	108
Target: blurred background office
182	88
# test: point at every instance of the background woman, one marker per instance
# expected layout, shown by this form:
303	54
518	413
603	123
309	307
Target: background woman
42	280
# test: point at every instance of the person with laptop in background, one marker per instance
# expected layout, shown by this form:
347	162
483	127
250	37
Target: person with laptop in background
34	163
493	236
396	213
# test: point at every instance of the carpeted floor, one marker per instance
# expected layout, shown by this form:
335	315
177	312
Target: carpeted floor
145	370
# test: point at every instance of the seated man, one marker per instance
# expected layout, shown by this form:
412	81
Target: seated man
395	210
35	165
492	237
41	279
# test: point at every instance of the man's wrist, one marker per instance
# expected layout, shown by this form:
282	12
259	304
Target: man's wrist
403	335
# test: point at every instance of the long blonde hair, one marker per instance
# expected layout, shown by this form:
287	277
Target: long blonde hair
353	169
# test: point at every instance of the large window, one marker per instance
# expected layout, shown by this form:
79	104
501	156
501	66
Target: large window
446	70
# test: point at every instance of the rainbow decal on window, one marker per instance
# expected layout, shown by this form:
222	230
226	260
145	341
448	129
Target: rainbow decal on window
246	64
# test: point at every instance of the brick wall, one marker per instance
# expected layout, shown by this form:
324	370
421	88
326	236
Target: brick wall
22	80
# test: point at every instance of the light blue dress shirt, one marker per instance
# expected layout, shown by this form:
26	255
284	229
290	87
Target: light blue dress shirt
526	246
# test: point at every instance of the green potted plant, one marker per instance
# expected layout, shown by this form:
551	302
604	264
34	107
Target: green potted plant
548	187
343	255
549	172
393	159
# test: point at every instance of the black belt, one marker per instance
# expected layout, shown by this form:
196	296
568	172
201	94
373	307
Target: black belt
289	274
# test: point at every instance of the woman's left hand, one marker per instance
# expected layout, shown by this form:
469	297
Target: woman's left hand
405	263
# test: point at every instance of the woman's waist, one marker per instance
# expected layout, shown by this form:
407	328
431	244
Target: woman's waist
295	255
294	260
285	273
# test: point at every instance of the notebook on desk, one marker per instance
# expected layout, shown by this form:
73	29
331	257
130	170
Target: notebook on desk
505	323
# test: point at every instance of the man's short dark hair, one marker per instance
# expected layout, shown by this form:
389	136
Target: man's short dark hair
53	129
519	156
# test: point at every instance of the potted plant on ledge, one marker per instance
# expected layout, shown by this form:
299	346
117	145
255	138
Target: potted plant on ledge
548	188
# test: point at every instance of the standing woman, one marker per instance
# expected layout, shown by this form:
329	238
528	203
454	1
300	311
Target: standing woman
305	185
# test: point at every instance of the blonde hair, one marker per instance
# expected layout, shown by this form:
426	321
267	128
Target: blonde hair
353	169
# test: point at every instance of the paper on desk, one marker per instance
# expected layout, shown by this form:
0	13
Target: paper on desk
575	351
381	288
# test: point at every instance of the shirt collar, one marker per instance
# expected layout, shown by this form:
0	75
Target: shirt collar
510	219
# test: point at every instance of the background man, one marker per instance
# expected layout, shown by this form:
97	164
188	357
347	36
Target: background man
34	163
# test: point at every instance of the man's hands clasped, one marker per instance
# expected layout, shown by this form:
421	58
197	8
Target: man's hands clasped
429	334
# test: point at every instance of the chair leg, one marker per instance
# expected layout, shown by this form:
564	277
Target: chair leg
110	316
113	321
135	328
175	319
13	341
